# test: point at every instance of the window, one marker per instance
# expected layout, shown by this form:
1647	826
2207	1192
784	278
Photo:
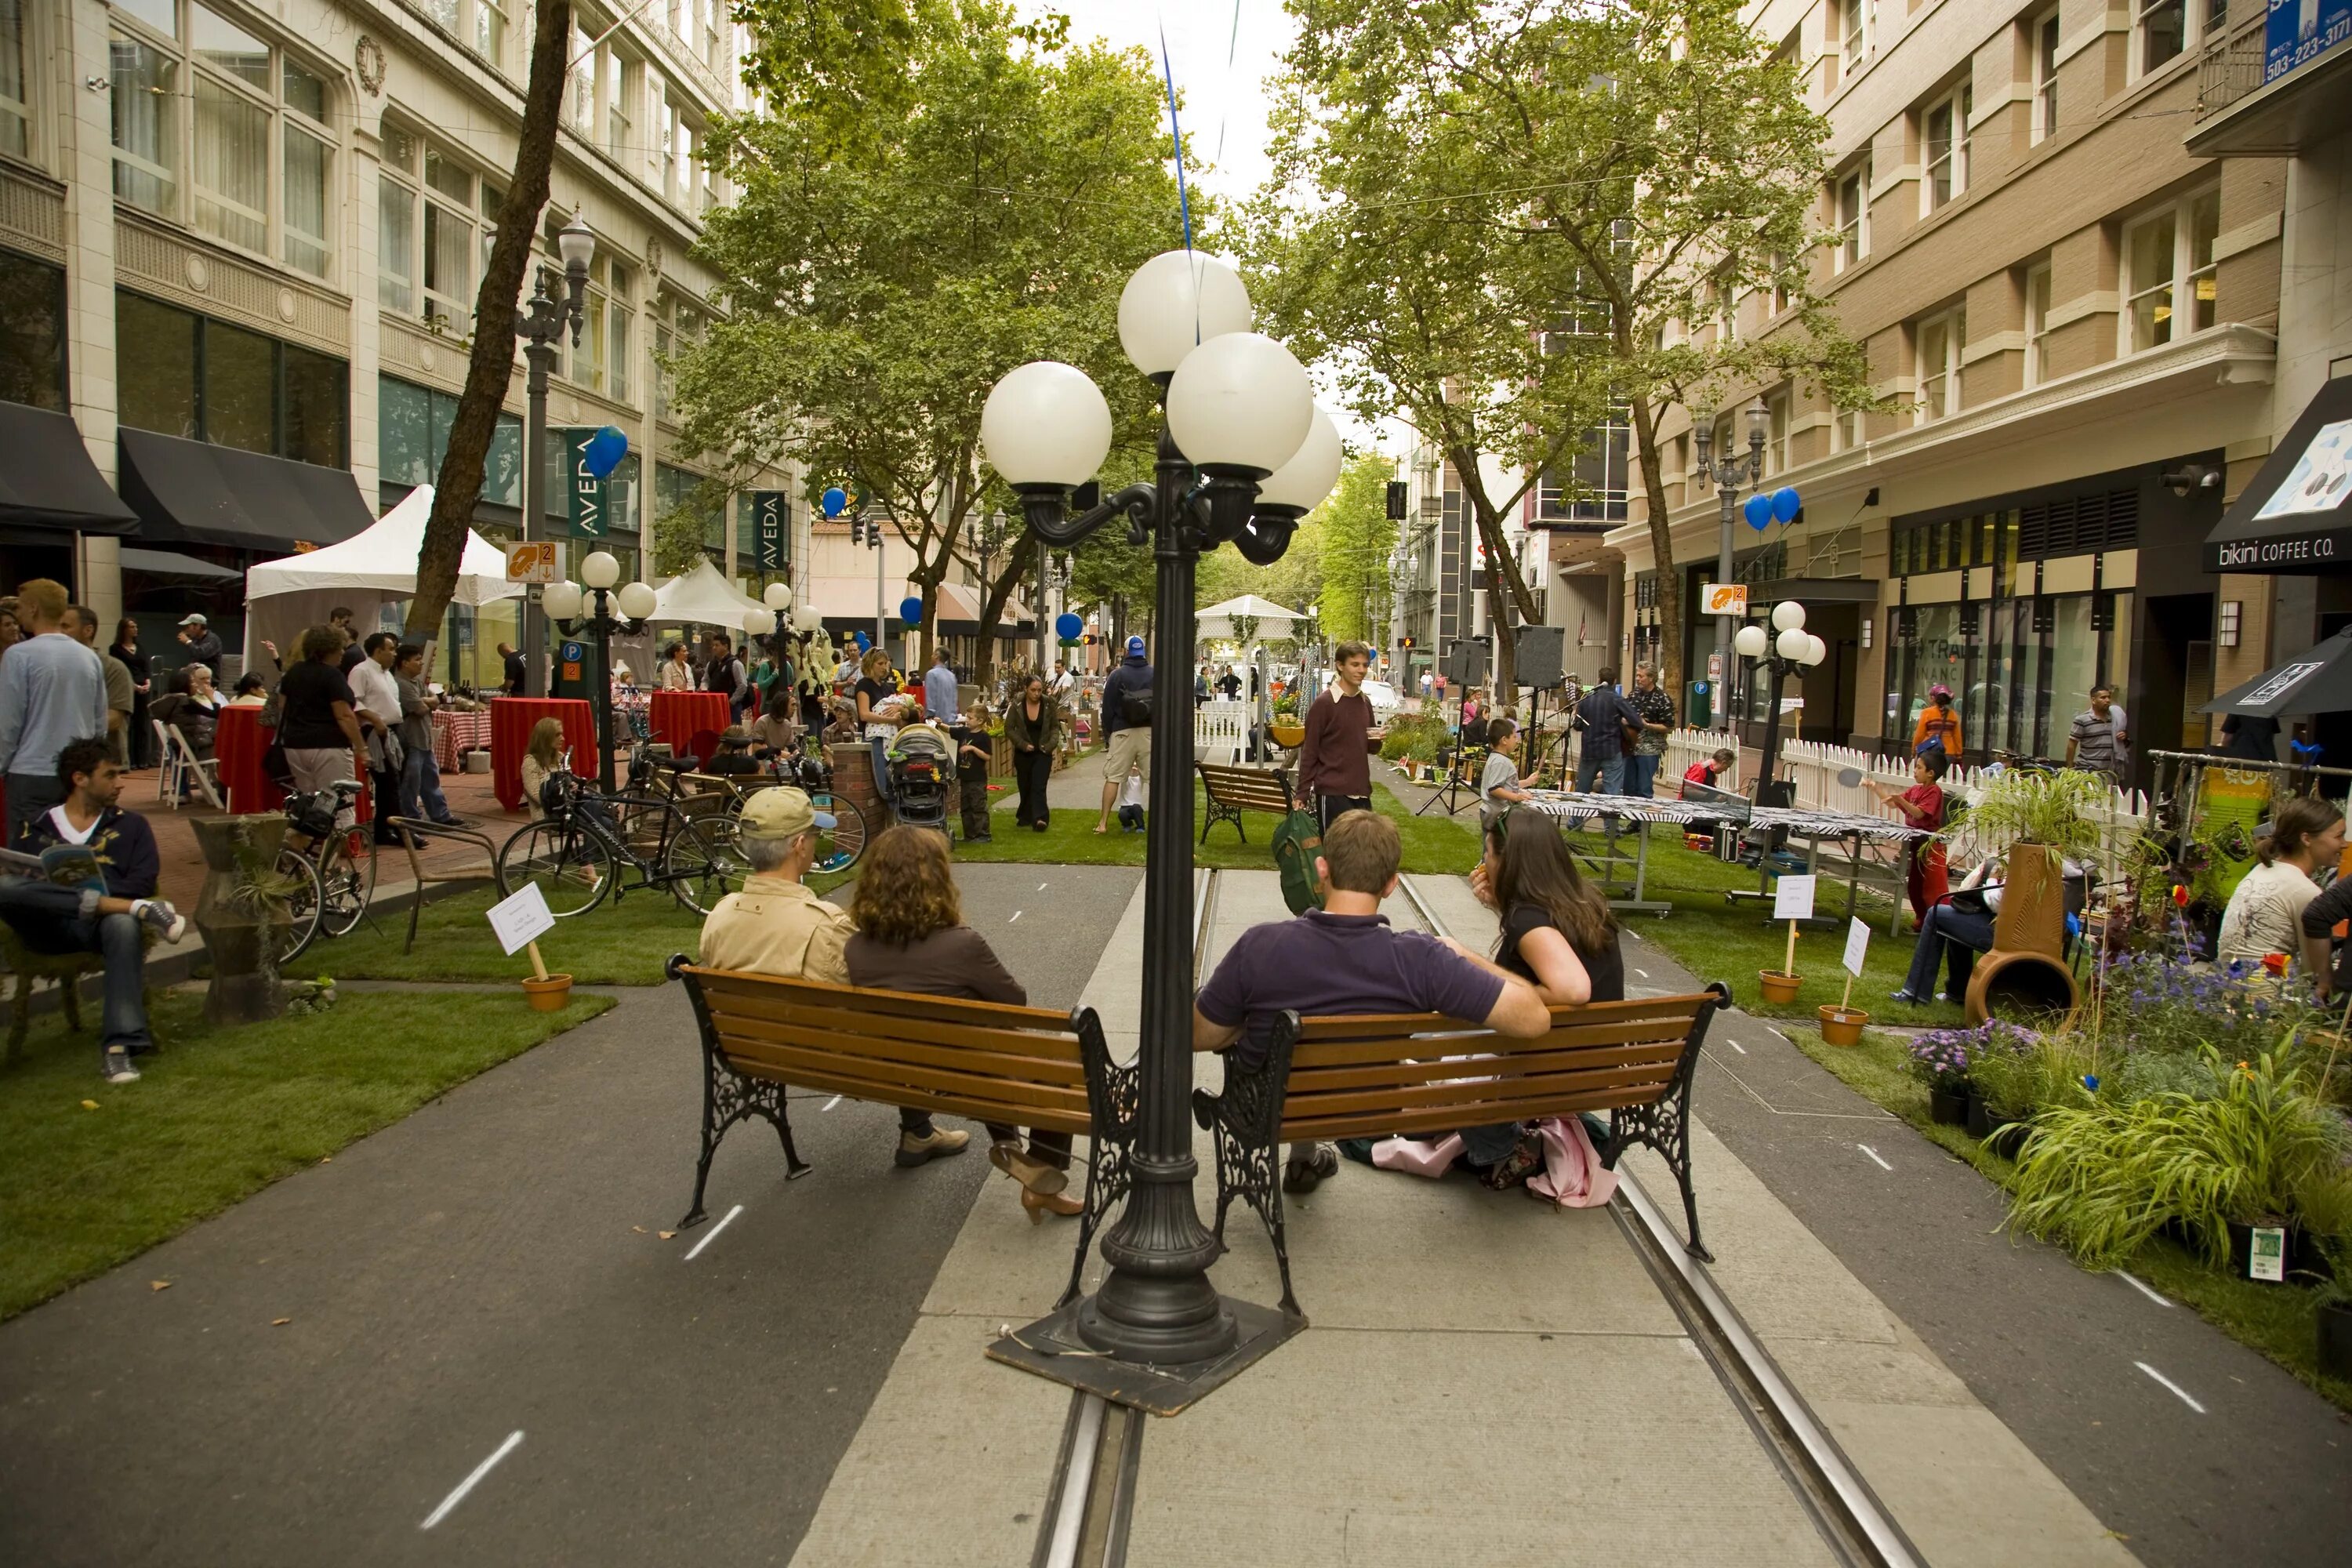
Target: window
260	173
490	31
677	326
1945	128
1776	438
619	336
2168	277
2161	34
580	94
2037	325
32	331
413	437
440	249
626	81
1856	20
1778	296
1597	489
209	381
678	490
1852	217
1726	310
1847	432
2045	74
1941	339
15	93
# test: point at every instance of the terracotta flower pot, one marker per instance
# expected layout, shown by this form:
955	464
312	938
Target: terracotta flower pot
1841	1027
1778	986
549	996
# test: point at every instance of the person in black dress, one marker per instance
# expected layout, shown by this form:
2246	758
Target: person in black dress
142	734
1559	935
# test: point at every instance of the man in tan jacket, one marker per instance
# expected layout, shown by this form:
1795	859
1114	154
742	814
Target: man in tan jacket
777	926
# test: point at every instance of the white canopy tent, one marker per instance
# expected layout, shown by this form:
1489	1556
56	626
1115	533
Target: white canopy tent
1216	622
702	596
365	572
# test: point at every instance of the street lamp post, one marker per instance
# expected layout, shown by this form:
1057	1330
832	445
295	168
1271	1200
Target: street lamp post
769	627
1789	650
1730	472
1243	454
543	322
563	603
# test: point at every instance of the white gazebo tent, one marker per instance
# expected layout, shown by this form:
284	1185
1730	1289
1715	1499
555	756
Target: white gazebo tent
1215	624
702	596
365	572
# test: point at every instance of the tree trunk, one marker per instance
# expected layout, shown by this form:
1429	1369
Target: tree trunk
1672	674
999	593
492	367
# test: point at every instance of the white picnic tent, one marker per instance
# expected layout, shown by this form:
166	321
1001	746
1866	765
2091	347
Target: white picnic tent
1216	622
702	596
365	572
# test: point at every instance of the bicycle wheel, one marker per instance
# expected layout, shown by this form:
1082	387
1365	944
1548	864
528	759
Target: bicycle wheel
839	850
346	881
705	863
303	903
571	865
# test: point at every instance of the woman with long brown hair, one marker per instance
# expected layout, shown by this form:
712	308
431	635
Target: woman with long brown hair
911	937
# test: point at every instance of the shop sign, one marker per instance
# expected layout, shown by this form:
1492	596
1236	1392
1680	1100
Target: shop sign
589	495
769	515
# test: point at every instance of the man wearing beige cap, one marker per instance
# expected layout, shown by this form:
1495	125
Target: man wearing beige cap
777	926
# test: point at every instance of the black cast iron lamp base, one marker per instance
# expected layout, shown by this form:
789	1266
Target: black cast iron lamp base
1243	454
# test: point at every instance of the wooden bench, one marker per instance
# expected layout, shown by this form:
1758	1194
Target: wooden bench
1379	1074
1028	1067
1233	790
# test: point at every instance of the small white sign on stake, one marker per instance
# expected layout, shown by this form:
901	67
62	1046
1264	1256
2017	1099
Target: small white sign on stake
1792	899
522	919
1857	944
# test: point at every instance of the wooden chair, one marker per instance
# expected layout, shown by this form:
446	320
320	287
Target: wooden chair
409	829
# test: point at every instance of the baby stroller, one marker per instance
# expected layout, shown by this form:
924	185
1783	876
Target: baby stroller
922	776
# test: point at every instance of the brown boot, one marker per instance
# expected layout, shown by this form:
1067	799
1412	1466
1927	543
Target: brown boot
916	1149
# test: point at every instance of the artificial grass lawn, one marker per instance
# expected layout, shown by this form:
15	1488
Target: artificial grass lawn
622	943
92	1174
1431	844
2276	1320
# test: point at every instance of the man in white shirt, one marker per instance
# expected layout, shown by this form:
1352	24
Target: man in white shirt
376	702
940	699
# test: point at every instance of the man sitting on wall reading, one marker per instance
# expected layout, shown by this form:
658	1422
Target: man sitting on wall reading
1346	958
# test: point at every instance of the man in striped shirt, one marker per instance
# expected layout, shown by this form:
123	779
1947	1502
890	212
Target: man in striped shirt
2099	741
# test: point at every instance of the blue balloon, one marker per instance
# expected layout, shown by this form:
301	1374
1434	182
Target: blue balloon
863	642
1067	625
1759	511
910	610
1786	504
603	452
833	500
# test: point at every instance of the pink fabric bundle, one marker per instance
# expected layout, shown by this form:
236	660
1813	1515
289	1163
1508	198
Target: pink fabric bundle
1420	1159
1572	1176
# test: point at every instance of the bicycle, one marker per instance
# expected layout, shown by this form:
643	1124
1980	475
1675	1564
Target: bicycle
809	772
575	854
333	877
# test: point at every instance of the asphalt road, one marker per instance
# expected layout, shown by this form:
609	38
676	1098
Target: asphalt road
492	1266
2262	1475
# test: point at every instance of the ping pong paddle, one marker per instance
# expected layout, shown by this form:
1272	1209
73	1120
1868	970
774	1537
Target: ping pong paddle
1849	777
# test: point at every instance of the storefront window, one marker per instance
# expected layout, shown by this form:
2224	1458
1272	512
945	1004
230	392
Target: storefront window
413	436
2074	656
157	383
255	394
32	331
239	388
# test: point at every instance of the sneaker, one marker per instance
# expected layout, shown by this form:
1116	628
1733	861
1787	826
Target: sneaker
1904	995
451	821
918	1148
116	1066
1303	1176
169	922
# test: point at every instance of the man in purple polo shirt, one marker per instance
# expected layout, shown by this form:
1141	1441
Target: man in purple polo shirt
1344	958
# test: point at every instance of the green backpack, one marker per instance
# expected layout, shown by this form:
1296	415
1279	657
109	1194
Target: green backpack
1296	842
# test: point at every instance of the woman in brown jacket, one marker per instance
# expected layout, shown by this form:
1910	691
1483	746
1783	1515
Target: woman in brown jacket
911	937
1033	729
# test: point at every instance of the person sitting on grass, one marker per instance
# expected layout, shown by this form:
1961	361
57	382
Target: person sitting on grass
1499	785
911	937
103	915
777	926
1344	958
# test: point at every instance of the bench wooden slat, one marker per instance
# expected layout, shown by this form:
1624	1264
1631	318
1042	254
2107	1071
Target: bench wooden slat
738	1035
802	1064
1442	1120
1654	1061
1533	1089
1678	1010
899	1003
976	1109
1038	1045
1482	1042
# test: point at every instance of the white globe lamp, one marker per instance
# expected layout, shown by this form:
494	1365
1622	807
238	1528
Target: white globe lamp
1750	641
809	618
758	623
1176	301
1787	615
1300	484
638	602
601	570
560	601
1816	649
1046	425
778	596
1793	643
1240	405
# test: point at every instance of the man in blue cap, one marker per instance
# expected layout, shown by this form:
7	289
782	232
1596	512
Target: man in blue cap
1127	727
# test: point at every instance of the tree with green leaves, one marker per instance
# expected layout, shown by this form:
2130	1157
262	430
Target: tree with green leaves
1604	179
1359	536
882	276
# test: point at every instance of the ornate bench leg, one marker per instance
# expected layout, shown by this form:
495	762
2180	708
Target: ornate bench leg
1112	1101
1246	1121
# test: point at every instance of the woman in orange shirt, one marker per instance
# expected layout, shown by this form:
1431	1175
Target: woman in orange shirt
1938	721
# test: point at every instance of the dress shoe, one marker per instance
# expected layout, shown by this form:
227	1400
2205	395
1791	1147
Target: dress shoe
1034	1175
1040	1205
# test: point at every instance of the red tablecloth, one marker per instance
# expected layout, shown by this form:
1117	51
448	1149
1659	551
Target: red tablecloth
238	742
454	732
690	721
511	721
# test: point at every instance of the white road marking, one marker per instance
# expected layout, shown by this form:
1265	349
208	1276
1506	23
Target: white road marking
514	1441
1016	915
1873	1154
2142	1288
1784	1039
1734	1045
1041	887
1640	971
828	1105
2183	1394
697	1250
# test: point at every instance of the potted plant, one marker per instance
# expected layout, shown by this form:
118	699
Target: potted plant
1942	1058
2039	822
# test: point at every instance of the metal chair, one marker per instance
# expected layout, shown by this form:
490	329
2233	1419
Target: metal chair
409	830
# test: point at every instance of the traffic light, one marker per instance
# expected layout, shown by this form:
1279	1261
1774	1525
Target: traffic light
857	528
1397	499
1404	642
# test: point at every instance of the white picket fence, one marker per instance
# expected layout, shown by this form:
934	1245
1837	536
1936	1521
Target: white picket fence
1220	731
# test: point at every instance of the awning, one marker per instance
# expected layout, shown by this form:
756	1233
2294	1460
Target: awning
958	605
218	495
47	479
171	563
2296	515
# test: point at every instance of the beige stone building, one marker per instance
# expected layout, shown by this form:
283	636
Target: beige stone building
2073	314
240	244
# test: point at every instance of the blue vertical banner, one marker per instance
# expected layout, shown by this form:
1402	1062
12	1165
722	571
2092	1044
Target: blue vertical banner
771	517
2297	32
588	494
